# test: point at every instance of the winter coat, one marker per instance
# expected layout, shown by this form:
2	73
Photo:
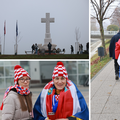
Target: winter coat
113	41
12	108
71	104
117	49
49	46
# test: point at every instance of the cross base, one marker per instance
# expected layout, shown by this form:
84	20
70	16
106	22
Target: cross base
45	46
47	40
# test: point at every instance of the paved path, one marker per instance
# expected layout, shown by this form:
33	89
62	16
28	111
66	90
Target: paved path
105	95
94	47
36	92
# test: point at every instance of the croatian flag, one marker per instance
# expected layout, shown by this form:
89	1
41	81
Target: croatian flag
16	29
4	27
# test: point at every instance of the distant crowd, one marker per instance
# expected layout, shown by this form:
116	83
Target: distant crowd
35	48
80	48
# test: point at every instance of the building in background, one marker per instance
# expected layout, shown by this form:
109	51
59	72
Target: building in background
41	71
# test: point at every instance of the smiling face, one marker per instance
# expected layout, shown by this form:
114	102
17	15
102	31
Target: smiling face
59	82
24	82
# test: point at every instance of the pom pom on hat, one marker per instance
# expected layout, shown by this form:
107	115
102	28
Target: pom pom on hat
19	72
17	67
60	63
60	70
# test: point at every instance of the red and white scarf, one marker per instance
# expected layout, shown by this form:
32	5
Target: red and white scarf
65	106
20	90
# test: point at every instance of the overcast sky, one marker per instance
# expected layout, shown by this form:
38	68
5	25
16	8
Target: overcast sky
68	15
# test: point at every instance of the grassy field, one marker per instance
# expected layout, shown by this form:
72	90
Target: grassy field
96	64
57	56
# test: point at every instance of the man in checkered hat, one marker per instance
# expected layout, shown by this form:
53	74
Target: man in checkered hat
60	99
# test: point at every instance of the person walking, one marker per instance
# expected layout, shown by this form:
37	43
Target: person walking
33	48
36	48
60	99
72	50
49	47
112	46
17	101
87	47
81	48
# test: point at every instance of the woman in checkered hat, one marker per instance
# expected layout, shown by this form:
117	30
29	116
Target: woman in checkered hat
17	101
60	99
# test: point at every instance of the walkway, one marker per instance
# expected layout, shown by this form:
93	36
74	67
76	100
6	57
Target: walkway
94	47
36	92
105	95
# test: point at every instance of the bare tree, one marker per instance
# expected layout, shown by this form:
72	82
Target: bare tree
100	8
115	19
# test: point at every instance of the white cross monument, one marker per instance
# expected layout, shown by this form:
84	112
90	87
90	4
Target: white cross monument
47	39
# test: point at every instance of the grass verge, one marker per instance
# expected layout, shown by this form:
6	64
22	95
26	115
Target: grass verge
96	64
57	56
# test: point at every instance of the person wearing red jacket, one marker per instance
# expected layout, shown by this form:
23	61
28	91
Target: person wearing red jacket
112	47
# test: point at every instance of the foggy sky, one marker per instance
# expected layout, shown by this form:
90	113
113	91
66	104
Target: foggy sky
68	15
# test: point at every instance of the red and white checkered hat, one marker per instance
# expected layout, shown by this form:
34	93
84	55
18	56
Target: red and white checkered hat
19	72
60	70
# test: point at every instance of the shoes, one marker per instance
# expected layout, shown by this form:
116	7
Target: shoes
117	77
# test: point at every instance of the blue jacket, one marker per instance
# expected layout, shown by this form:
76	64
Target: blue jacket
113	41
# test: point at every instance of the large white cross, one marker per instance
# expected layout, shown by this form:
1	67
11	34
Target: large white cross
47	20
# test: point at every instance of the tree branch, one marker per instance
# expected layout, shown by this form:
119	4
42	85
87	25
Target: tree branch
109	2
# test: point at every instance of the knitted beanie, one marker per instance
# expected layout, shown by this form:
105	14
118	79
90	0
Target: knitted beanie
60	70
19	72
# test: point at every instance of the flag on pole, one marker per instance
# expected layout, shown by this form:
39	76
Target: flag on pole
16	29
4	27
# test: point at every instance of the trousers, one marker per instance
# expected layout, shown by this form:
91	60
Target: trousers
116	66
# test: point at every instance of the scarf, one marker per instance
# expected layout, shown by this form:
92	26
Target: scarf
70	103
20	90
59	106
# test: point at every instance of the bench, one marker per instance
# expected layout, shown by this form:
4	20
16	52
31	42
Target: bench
28	52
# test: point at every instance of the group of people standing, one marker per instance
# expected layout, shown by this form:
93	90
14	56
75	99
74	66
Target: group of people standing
80	49
34	48
60	99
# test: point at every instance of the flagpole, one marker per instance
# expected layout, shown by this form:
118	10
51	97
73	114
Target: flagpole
4	45
16	35
4	36
16	45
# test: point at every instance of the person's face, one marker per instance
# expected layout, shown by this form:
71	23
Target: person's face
59	82
24	82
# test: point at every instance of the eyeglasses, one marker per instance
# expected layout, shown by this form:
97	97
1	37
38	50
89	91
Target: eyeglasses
23	80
